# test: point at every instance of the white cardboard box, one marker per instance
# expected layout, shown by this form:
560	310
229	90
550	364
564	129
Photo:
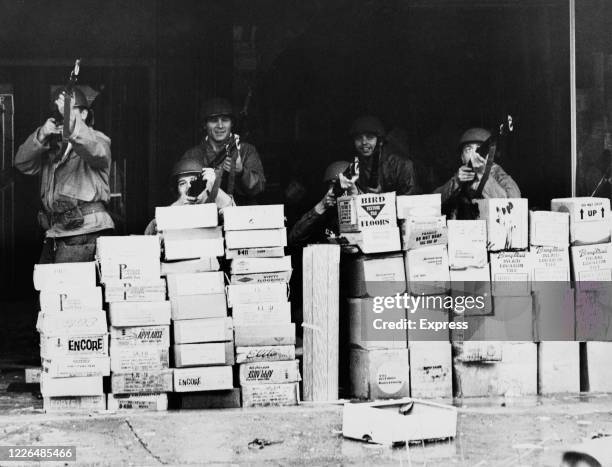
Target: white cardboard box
599	366
467	244
582	209
71	299
74	275
135	291
278	372
549	228
213	353
262	313
135	336
509	267
363	275
117	248
236	239
380	240
431	369
75	345
208	378
129	269
379	374
190	266
189	216
265	252
270	216
558	367
263	334
123	314
507	222
141	358
261	277
592	263
141	382
270	395
550	263
258	265
419	205
418	232
193	243
239	294
367	211
590	233
265	353
71	323
68	367
76	386
429	266
157	402
74	403
200	283
199	306
193	331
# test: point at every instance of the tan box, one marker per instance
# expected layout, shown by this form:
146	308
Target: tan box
270	395
380	240
77	345
265	252
550	264
71	323
418	232
367	211
190	216
236	239
68	367
141	382
419	205
257	265
267	216
199	306
265	353
549	228
76	386
261	277
429	267
200	283
507	222
190	266
71	299
74	403
143	358
254	335
193	243
194	331
207	378
372	275
240	294
123	314
135	336
361	313
467	244
379	374
216	353
279	372
135	291
74	275
156	402
262	313
558	367
431	370
592	263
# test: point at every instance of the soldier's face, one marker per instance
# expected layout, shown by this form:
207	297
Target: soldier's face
183	183
365	144
469	153
219	128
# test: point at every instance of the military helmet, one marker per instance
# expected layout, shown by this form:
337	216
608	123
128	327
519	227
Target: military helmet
80	100
474	135
217	107
367	124
333	169
186	166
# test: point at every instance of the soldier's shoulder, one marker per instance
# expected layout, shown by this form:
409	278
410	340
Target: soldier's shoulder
194	152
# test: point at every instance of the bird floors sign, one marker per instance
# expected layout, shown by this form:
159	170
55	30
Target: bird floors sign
367	211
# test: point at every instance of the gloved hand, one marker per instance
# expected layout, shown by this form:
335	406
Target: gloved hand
349	184
465	174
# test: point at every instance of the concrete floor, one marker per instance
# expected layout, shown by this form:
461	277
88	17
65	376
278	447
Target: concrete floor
491	432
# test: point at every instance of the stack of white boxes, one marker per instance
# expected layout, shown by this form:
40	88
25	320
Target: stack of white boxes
255	238
591	259
424	241
73	337
203	350
139	318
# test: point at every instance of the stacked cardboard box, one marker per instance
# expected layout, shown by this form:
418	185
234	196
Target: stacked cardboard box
73	337
139	318
264	334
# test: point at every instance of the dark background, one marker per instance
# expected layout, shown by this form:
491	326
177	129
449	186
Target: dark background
429	69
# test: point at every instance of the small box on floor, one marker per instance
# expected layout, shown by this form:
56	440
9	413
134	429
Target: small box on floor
74	403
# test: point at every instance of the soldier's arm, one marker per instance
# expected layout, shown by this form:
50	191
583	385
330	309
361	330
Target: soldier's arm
90	145
28	158
253	180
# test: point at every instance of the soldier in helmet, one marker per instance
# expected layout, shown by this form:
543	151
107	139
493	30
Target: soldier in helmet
74	180
462	186
381	167
237	164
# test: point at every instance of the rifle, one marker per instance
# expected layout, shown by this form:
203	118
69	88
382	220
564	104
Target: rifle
349	172
62	119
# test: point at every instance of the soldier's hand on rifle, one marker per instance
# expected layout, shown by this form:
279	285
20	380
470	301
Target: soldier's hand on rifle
348	184
49	128
328	201
465	174
227	164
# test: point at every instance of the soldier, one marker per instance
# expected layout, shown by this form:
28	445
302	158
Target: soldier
74	181
236	163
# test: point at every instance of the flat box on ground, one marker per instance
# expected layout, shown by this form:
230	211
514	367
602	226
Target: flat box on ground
431	370
140	358
157	402
558	367
549	228
199	306
419	205
135	291
123	314
279	372
418	232
194	331
141	382
77	345
215	353
221	399
467	244
237	239
379	240
427	270
264	252
71	323
270	395
190	216
379	374
266	216
367	211
241	294
74	403
381	275
76	386
269	313
199	283
75	275
187	244
206	378
71	299
361	313
263	334
189	266
265	353
134	336
256	265
507	222
68	367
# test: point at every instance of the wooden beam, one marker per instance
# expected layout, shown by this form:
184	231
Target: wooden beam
573	140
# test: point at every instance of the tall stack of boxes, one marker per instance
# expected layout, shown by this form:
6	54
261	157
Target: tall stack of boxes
424	241
129	269
268	371
591	260
203	351
73	337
